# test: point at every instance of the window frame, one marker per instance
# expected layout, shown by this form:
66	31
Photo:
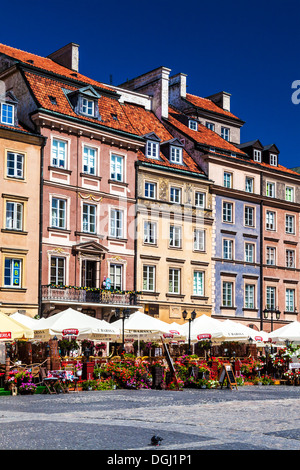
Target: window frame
172	280
57	259
17	217
12	284
202	283
116	217
9	106
65	157
114	168
58	209
15	165
89	216
146	270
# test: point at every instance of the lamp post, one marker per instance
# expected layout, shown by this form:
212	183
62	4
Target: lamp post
193	316
271	311
123	315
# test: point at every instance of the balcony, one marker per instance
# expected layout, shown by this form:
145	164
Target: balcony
93	296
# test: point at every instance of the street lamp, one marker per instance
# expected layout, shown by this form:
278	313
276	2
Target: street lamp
271	311
123	315
193	316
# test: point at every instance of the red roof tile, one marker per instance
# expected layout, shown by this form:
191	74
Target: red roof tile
203	135
145	122
44	63
207	104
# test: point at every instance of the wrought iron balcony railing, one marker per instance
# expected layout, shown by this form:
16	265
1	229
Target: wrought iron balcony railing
54	293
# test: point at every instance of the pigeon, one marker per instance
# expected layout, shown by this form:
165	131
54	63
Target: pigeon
155	440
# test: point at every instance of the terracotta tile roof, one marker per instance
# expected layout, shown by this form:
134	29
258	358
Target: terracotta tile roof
208	137
203	135
145	122
46	64
111	111
208	105
18	128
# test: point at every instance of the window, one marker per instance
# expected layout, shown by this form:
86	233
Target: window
12	272
249	185
193	125
199	240
198	284
89	218
227	296
290	300
225	133
227	182
116	223
290	258
271	255
14	215
289	194
57	270
249	216
257	155
249	296
59	153
116	276
176	155
271	297
249	252
89	160
58	214
227	212
150	232
289	224
270	220
152	149
227	248
270	190
7	114
273	159
88	107
200	199
210	126
150	190
175	236
175	195
149	278
116	168
174	281
15	165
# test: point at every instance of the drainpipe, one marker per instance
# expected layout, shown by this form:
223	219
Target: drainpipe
261	251
41	228
135	227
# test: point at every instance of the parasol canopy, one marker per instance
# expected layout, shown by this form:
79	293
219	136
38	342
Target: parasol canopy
140	325
257	336
70	323
11	330
290	332
205	327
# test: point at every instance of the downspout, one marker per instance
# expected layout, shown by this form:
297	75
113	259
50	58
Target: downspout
135	228
41	228
261	251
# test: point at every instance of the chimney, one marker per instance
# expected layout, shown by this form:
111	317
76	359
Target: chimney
156	85
221	99
177	88
68	56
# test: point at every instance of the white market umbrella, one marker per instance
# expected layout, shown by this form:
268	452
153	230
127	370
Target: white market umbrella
289	332
239	329
205	327
25	320
71	322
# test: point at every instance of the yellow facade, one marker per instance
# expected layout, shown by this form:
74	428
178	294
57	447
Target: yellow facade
173	260
20	160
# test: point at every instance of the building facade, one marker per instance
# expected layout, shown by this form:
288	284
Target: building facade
20	266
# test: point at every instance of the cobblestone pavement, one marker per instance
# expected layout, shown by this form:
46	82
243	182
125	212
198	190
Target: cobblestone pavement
250	418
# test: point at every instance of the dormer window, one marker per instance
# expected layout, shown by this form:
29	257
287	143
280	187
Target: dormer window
273	159
152	149
257	155
88	107
176	155
7	114
193	125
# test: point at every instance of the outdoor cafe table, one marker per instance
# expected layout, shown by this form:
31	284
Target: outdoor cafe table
57	381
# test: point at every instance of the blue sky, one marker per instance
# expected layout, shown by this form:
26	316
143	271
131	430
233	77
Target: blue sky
250	49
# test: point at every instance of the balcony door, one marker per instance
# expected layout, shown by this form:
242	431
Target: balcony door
90	273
